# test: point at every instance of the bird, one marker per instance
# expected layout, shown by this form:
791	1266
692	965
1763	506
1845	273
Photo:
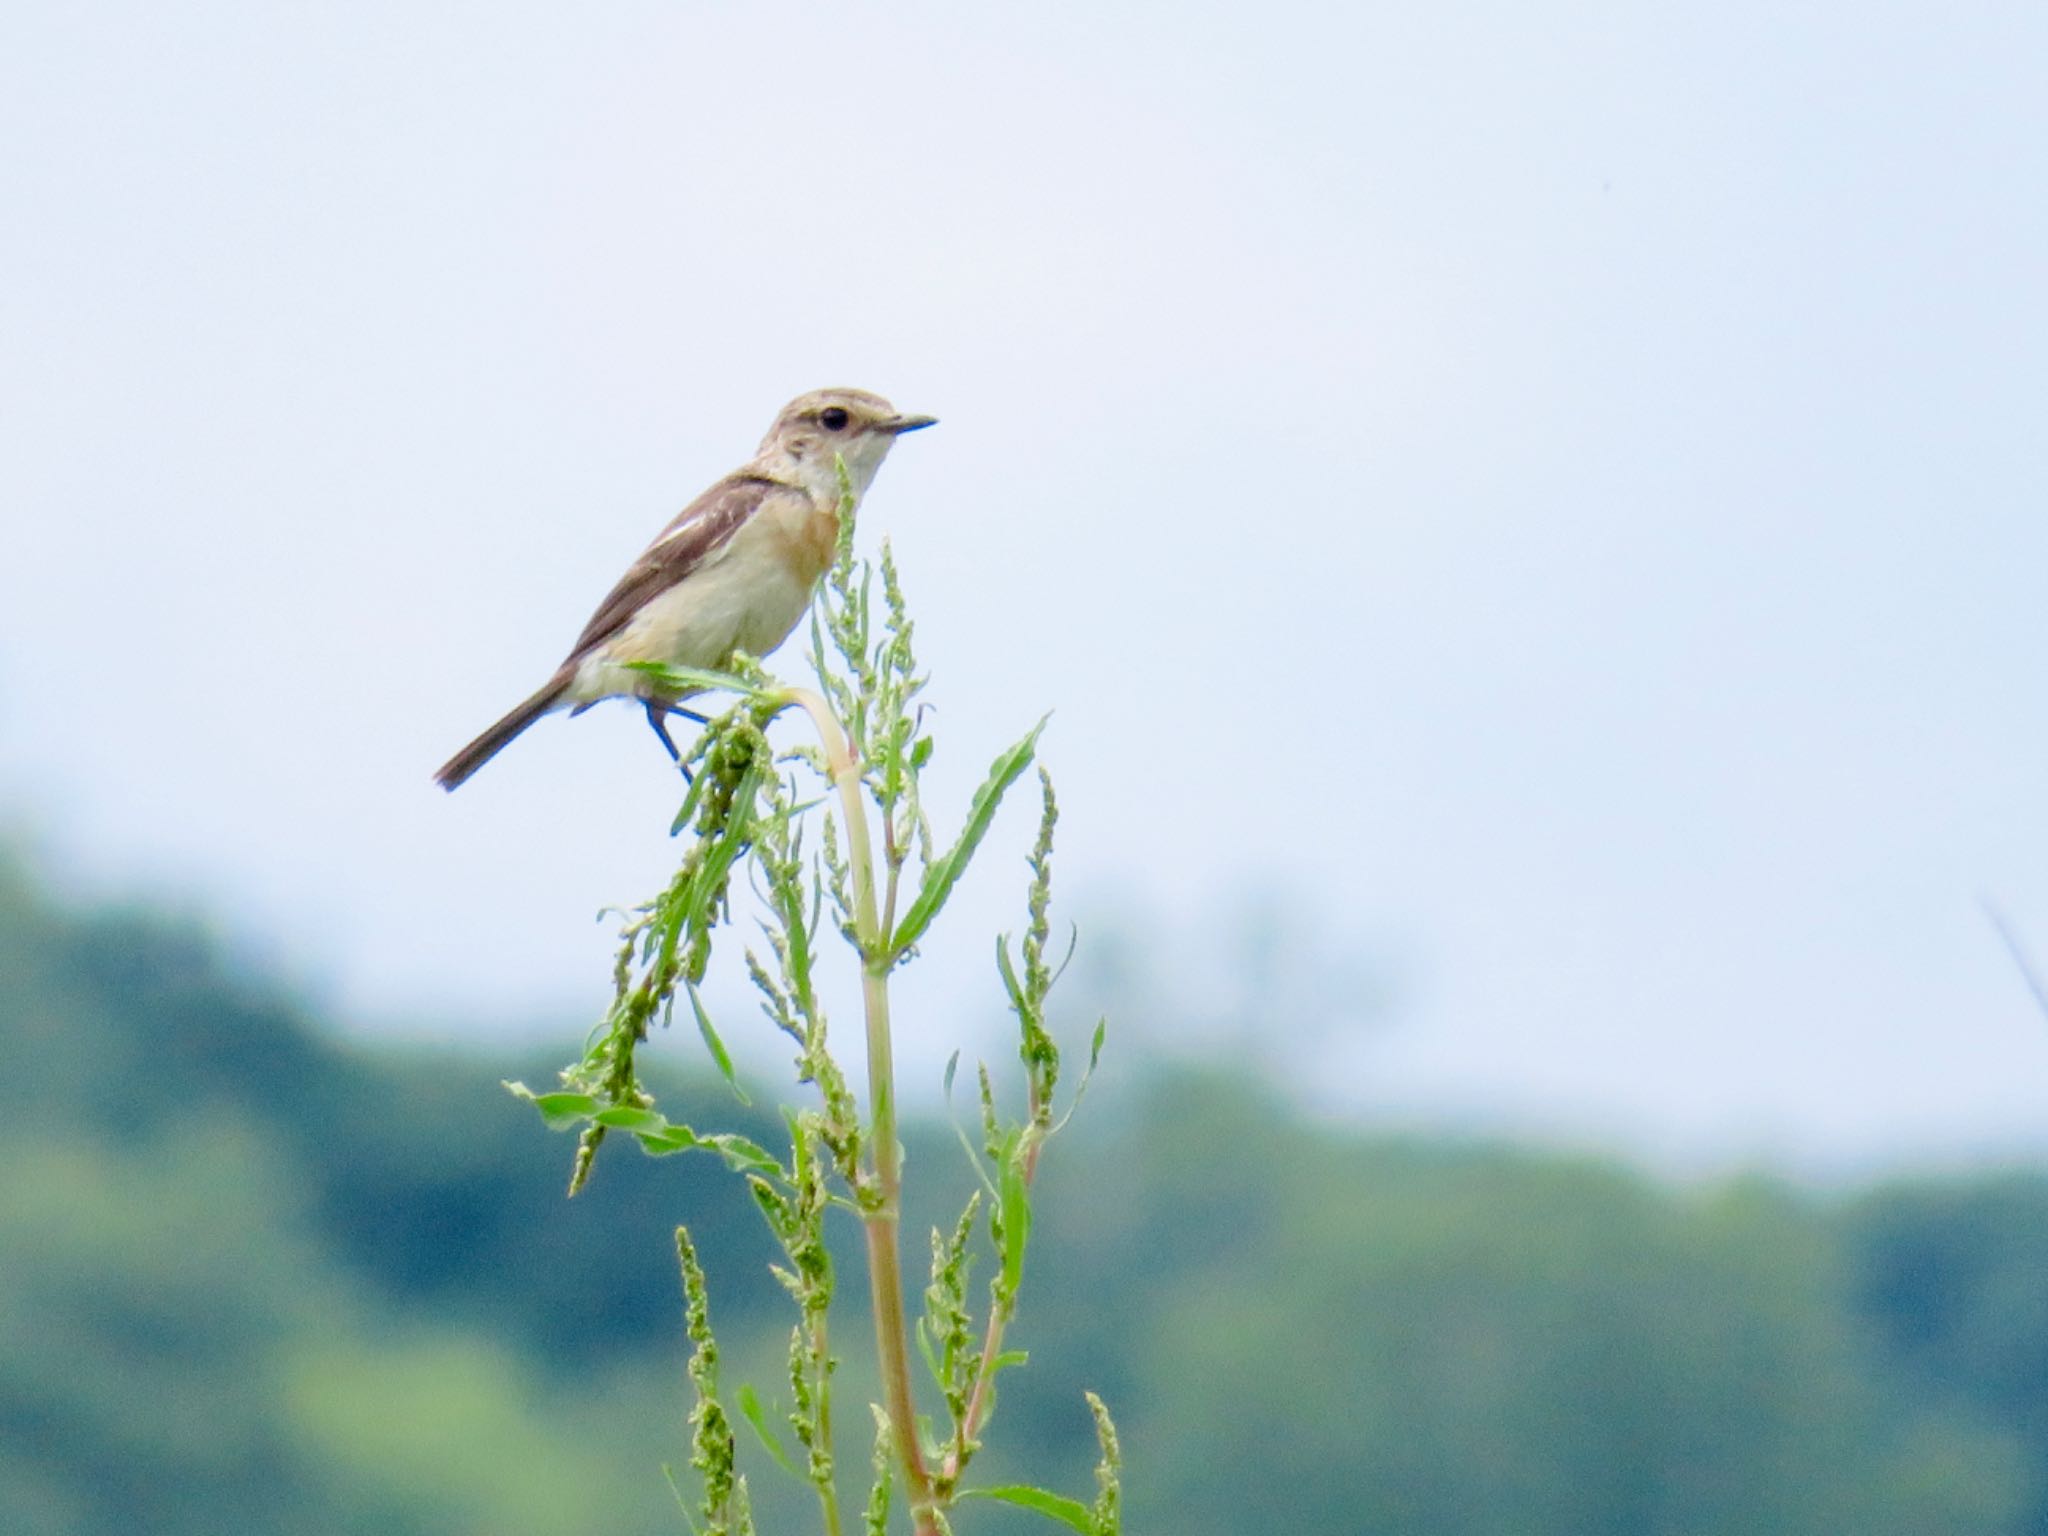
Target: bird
733	571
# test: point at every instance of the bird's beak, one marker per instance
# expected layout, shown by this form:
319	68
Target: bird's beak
902	424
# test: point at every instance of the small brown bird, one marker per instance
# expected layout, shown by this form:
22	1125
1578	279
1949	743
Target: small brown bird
733	572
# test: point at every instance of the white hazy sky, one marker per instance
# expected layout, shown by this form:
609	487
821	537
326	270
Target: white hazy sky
1556	490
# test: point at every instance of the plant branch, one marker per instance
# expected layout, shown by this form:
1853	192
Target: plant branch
991	1340
881	1215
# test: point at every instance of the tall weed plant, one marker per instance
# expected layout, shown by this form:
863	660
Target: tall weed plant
832	837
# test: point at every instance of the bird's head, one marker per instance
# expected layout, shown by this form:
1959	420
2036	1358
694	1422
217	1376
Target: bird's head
816	429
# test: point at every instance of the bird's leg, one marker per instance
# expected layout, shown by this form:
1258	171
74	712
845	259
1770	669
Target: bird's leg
657	717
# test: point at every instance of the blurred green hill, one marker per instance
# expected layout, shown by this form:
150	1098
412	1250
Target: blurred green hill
254	1279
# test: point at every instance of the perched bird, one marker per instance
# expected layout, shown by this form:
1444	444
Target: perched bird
733	572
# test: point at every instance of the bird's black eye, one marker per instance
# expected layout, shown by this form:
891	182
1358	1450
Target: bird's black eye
834	418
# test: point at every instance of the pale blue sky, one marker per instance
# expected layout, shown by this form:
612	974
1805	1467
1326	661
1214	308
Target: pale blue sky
1559	490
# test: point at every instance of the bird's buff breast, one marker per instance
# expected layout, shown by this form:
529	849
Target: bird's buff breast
747	596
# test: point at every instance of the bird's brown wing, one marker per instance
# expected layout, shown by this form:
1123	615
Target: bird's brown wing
699	531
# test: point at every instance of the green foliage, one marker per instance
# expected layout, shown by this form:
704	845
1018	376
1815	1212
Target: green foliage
725	1510
1028	993
946	1332
1413	1338
666	944
1068	1512
1949	1274
255	1280
745	809
180	1355
876	1520
944	872
1105	1518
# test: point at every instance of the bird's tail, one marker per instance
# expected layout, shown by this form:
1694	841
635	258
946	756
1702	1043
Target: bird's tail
493	741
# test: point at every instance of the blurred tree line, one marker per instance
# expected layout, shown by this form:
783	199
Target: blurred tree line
256	1279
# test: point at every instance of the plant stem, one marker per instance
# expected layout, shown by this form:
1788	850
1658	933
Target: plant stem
889	899
884	1220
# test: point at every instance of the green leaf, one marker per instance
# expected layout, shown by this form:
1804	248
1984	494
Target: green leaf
1081	1088
740	1154
1008	972
628	1117
931	1355
1016	1199
658	1135
946	870
716	1046
1052	1505
973	1157
732	840
750	1410
558	1110
691	796
696	679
